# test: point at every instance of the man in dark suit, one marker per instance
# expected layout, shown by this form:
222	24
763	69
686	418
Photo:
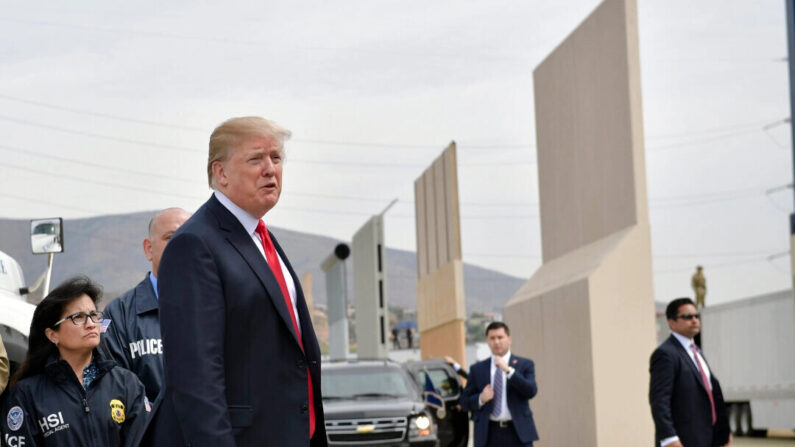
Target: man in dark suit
497	394
242	362
686	400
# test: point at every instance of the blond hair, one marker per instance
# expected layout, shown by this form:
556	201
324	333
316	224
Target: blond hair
231	133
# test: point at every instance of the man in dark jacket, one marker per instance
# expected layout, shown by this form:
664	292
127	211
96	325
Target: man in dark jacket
686	400
497	394
241	358
133	336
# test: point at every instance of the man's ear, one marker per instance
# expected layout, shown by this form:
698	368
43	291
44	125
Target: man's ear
219	174
147	244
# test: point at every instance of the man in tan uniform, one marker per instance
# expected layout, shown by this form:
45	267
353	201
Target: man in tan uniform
4	366
699	284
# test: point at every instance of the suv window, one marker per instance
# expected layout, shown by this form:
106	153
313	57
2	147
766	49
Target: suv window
447	386
341	383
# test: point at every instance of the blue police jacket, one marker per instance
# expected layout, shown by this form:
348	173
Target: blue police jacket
133	336
52	409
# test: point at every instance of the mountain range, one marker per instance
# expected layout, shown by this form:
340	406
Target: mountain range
109	250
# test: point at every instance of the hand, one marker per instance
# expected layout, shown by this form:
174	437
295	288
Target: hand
500	363
449	360
487	394
731	440
676	443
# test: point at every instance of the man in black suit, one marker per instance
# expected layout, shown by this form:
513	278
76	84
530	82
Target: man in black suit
497	394
686	400
242	362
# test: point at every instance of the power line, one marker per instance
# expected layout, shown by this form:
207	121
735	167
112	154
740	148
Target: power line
685	201
47	202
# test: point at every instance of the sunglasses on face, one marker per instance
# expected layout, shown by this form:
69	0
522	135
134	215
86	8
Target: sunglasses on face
689	317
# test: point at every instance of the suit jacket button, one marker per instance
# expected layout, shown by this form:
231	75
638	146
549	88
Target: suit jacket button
300	364
304	408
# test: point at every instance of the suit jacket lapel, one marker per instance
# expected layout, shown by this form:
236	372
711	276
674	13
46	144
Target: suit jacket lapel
685	357
304	318
236	235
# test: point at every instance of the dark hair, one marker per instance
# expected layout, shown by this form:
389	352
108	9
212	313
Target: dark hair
47	313
673	307
494	325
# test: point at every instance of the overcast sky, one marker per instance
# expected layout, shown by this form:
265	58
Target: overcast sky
106	108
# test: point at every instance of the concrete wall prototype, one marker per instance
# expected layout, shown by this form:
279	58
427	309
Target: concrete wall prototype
441	309
337	298
587	315
369	290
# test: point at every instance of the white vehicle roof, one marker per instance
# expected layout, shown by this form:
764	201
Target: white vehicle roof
15	313
11	277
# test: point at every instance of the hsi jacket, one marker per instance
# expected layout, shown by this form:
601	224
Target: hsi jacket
52	409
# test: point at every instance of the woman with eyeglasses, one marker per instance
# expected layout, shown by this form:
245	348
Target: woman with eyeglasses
66	393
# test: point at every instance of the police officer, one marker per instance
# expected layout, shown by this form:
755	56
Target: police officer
133	336
65	393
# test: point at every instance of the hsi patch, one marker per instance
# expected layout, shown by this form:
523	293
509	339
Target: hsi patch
15	418
117	410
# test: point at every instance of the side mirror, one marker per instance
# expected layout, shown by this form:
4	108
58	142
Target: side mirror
46	236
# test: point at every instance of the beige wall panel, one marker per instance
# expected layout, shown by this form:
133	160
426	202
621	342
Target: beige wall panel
577	265
636	108
440	296
623	337
436	342
440	208
422	229
440	285
590	306
586	112
554	330
430	222
451	185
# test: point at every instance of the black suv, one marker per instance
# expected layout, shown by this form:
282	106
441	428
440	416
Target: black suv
374	402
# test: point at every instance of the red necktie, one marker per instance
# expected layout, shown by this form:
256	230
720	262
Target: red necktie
706	382
276	268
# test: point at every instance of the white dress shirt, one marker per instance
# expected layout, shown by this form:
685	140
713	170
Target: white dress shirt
687	343
249	223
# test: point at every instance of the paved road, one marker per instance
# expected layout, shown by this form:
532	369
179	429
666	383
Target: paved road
763	442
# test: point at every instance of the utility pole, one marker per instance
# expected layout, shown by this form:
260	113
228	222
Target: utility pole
790	8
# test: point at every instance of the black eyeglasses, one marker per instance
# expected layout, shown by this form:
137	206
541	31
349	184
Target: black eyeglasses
80	318
689	316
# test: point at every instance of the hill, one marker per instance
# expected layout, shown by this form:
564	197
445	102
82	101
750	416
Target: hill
108	249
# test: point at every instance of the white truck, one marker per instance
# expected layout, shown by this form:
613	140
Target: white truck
15	312
750	344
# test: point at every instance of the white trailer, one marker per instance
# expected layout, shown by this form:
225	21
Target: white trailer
750	344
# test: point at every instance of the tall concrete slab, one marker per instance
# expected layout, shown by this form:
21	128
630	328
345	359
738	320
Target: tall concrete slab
441	309
369	290
337	298
587	315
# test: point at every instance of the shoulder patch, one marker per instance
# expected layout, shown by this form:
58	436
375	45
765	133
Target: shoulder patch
15	418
